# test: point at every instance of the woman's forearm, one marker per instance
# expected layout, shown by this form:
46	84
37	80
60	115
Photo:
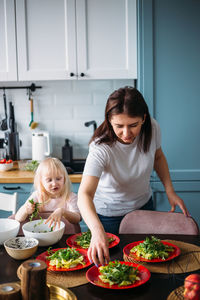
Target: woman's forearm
86	193
88	212
161	168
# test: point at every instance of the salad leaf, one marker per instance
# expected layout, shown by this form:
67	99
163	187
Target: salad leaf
84	239
152	248
118	273
65	258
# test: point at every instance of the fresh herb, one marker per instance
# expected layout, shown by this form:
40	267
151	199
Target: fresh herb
40	222
84	239
35	214
152	248
118	273
111	239
36	210
49	251
32	166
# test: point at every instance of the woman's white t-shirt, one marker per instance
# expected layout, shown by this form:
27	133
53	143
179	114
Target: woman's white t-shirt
124	174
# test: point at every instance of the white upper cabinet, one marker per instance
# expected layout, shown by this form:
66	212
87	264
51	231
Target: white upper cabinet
8	63
106	38
46	39
68	39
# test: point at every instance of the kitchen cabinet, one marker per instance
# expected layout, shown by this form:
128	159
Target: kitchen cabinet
166	70
187	190
8	63
69	39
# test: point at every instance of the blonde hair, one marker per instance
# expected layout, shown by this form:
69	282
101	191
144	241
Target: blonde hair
56	167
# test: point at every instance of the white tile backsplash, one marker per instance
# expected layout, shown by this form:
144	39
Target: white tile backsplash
62	108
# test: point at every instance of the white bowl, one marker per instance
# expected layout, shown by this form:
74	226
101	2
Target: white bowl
36	230
21	247
8	229
6	167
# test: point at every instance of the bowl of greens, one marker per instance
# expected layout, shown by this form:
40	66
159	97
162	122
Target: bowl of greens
42	232
28	165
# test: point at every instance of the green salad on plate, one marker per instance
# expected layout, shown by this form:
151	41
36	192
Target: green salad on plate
118	273
65	258
152	248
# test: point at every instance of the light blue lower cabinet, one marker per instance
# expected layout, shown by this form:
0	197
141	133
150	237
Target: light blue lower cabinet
189	191
75	187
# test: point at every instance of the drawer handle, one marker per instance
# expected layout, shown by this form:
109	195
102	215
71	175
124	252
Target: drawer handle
11	188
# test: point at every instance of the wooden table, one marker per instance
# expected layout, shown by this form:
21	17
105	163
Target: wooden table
157	288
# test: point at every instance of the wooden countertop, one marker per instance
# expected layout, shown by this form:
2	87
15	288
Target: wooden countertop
18	176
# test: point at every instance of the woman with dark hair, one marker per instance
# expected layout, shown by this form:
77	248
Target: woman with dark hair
123	152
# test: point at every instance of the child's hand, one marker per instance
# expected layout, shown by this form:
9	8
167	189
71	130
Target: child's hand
55	218
30	207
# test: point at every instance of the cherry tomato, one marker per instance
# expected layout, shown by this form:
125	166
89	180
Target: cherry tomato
9	161
3	161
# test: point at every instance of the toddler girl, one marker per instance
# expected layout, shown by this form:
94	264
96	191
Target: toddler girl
52	193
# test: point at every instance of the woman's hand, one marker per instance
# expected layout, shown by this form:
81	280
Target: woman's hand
175	200
55	218
98	251
161	167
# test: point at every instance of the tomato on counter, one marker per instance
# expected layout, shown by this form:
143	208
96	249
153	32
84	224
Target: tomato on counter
9	161
4	161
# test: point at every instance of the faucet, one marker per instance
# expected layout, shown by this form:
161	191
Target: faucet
87	124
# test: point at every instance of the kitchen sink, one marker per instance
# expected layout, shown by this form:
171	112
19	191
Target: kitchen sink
76	167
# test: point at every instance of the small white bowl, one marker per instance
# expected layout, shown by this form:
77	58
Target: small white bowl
8	229
42	233
6	167
21	247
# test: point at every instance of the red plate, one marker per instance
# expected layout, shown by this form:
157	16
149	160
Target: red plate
44	255
71	241
92	276
172	255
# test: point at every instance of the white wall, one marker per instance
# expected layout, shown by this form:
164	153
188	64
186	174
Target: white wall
62	108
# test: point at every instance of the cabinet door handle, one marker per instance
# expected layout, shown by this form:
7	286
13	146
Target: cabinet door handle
71	74
11	188
82	74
